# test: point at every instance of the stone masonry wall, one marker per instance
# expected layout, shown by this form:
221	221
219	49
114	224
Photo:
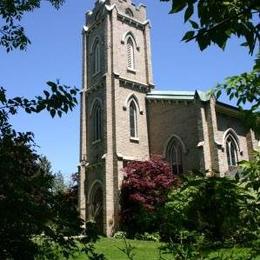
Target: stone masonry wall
225	122
168	119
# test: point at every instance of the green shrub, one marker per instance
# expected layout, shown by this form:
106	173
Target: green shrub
210	206
148	236
234	254
187	245
120	235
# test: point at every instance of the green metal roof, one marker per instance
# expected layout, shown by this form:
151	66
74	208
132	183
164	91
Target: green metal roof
204	96
177	95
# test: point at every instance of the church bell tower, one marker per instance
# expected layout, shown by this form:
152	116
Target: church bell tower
117	75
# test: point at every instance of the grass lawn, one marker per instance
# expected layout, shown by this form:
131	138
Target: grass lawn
146	250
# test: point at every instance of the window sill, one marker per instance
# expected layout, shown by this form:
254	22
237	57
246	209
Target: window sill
134	139
131	70
96	142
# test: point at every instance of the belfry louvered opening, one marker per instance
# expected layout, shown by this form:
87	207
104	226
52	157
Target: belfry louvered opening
130	54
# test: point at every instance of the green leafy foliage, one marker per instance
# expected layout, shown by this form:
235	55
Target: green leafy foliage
37	220
187	247
120	235
213	212
128	250
214	22
12	33
28	207
58	183
210	206
155	236
251	174
59	100
250	181
234	254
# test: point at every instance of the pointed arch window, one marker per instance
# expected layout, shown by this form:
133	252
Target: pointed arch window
231	151
133	119
130	54
129	12
97	122
96	57
175	155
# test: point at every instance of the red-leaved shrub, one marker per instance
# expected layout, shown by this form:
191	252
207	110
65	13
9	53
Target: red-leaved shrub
144	190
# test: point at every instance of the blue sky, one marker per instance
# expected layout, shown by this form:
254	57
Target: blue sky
55	53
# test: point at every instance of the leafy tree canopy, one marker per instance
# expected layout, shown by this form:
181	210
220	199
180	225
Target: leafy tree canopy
216	21
59	100
28	206
12	33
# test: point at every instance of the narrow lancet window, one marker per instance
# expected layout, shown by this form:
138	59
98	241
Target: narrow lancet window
97	122
231	151
133	119
175	156
96	57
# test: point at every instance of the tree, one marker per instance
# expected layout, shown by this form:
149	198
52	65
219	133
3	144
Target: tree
73	188
67	202
12	34
61	98
58	179
215	22
28	206
250	181
207	205
59	184
143	192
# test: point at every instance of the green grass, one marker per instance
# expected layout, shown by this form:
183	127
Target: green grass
110	247
146	250
143	249
233	253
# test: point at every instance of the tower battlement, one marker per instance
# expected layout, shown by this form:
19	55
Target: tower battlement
123	7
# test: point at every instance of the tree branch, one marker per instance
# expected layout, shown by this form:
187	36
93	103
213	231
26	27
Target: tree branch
222	23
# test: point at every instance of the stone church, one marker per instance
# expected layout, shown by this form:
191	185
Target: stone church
123	118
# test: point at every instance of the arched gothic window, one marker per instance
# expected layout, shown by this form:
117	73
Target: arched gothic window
133	119
175	155
130	54
231	151
97	121
96	57
129	12
95	201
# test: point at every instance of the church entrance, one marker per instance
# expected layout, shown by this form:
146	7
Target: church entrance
96	206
